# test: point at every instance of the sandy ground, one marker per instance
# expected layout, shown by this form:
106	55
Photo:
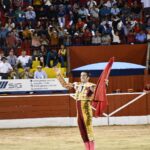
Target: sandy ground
107	138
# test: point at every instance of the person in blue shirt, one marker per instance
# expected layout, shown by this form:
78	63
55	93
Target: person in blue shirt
40	74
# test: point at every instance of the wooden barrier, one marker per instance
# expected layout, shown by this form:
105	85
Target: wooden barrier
39	106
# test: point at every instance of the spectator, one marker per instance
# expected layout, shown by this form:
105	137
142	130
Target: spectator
15	74
40	74
83	13
3	34
19	15
10	25
24	59
30	14
140	37
96	38
11	40
52	56
91	3
26	74
5	68
115	10
116	38
35	42
148	35
62	55
12	59
6	4
131	37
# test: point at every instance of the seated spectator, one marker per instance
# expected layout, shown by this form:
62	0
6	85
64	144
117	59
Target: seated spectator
52	56
77	39
96	39
104	11
17	3
131	37
30	14
116	38
5	68
115	10
62	54
87	35
24	59
83	13
91	3
94	12
15	74
3	35
106	39
12	58
61	16
26	74
1	55
43	56
126	10
6	4
140	37
148	35
80	24
40	74
19	15
9	25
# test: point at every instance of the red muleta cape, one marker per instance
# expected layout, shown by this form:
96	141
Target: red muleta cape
100	99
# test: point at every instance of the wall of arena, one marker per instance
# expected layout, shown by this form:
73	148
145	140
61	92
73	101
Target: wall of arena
60	110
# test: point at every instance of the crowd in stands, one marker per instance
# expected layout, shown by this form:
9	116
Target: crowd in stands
41	30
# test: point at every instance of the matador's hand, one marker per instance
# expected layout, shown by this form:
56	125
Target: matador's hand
106	82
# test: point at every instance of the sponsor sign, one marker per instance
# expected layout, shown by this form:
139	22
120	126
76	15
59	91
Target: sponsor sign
31	85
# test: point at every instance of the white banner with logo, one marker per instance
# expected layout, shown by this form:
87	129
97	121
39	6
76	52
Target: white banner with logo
31	85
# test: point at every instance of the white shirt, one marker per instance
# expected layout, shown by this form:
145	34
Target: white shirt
23	59
5	67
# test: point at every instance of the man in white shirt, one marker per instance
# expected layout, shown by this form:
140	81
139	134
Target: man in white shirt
5	68
24	59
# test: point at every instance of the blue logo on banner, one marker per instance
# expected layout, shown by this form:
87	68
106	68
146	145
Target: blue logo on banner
3	84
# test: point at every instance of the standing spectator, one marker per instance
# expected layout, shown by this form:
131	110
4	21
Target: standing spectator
12	59
5	68
40	74
35	41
